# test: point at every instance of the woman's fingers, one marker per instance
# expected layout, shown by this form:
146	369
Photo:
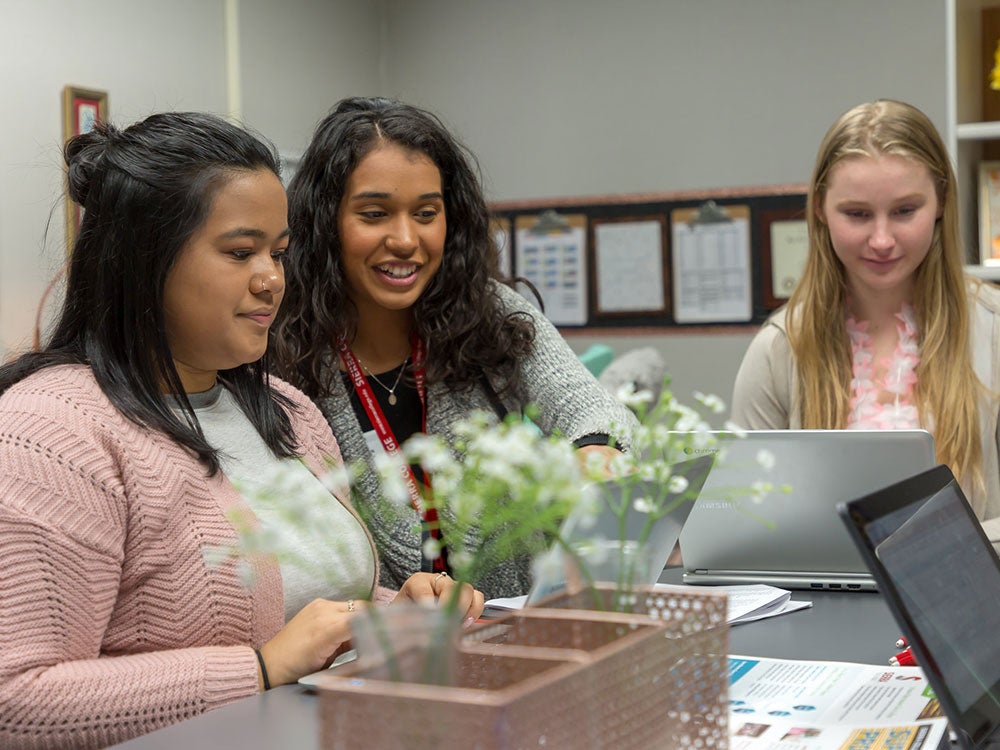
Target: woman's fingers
441	587
417	587
475	609
470	600
309	641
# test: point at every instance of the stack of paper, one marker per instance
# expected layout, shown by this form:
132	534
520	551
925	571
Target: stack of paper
746	603
757	601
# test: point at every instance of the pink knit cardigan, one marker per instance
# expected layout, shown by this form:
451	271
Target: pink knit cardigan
111	622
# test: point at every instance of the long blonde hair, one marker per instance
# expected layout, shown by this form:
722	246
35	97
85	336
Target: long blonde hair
947	388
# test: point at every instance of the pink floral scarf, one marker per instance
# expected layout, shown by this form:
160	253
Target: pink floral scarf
870	410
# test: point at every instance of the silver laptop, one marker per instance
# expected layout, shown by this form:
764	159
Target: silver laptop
794	539
556	571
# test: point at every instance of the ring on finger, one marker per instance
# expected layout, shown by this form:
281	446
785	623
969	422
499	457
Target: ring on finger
350	605
439	576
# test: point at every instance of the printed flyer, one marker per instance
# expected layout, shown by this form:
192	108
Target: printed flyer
819	705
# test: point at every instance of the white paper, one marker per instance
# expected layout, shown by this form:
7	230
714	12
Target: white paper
557	265
316	677
746	600
711	270
757	601
502	605
629	266
783	609
749	602
789	249
781	704
745	603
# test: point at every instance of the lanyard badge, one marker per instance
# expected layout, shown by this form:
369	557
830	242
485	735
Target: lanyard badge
388	439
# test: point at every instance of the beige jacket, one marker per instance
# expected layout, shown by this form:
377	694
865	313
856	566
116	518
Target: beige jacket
766	394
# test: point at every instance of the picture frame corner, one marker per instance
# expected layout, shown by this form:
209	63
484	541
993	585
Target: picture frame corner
82	108
988	208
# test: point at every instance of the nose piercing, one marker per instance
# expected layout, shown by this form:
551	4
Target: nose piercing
263	286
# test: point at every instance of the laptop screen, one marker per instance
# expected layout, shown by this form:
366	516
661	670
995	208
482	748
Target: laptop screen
600	543
793	538
941	577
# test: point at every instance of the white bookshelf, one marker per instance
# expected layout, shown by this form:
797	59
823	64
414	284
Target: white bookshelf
967	132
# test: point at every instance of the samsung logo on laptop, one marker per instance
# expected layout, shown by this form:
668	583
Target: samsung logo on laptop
715	505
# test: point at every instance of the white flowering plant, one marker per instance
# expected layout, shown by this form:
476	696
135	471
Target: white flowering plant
661	472
503	490
291	517
500	490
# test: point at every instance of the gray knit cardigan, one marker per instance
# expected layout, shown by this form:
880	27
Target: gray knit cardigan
569	400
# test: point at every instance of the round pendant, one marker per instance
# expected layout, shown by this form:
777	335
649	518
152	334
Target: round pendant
392	399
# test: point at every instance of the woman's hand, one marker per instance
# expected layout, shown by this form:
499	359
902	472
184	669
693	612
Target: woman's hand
598	457
309	641
441	587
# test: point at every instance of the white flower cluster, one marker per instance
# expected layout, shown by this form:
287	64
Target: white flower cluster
299	514
503	489
652	479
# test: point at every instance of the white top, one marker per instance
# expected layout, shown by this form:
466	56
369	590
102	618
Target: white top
322	549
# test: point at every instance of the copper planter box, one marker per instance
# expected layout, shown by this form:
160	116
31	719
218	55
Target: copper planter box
555	677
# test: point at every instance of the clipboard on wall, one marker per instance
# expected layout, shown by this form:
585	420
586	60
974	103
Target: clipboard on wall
629	274
550	251
711	264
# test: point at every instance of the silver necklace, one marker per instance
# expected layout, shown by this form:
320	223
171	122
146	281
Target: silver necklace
391	391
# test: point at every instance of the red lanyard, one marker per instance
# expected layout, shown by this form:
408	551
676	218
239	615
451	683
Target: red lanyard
384	431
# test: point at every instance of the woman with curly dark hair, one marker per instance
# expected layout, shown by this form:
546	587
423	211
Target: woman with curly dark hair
395	320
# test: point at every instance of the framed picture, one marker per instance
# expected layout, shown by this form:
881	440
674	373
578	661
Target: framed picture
82	109
989	213
784	247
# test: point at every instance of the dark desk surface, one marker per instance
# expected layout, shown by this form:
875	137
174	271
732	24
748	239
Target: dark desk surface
840	626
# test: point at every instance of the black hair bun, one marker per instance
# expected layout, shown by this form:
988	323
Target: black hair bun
82	155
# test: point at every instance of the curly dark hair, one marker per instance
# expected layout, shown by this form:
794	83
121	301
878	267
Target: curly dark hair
145	191
459	315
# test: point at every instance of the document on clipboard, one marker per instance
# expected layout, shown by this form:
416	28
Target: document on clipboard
629	265
711	264
551	253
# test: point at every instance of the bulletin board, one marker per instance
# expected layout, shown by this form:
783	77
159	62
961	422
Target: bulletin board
716	258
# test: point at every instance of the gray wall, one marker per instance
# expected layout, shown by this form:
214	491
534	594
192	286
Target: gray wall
575	97
298	57
149	55
557	97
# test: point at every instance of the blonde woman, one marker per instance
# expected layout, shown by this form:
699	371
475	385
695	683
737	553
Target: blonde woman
884	330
